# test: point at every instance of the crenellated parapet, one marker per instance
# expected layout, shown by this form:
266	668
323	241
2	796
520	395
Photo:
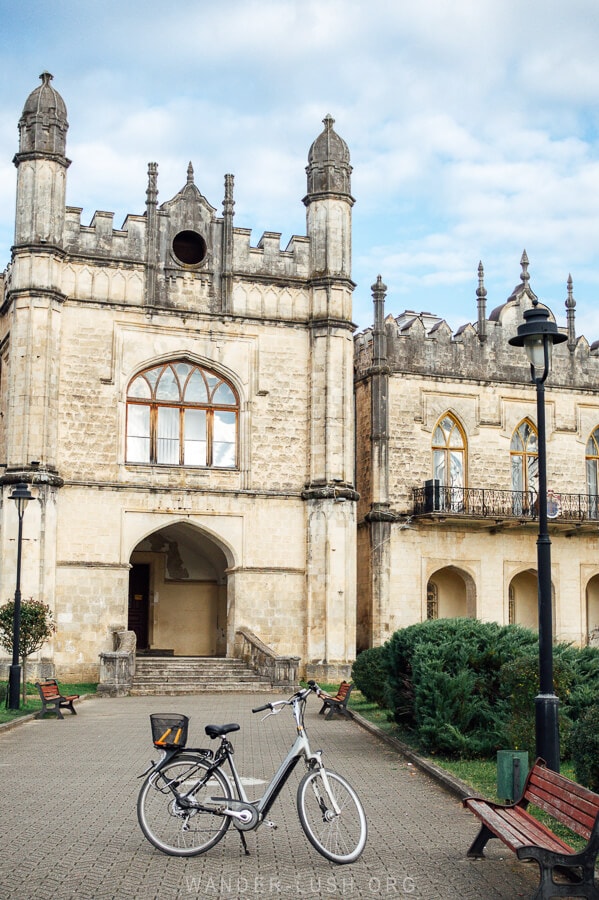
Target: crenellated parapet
425	344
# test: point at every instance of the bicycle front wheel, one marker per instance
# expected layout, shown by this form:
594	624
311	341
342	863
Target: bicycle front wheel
176	827
340	836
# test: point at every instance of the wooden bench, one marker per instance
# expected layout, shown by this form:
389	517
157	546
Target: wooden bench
338	703
567	803
52	699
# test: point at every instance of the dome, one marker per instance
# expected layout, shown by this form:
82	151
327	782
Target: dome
328	167
43	124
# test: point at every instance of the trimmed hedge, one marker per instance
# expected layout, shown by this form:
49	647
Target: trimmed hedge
466	688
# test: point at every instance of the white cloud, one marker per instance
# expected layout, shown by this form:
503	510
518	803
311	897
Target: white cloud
473	128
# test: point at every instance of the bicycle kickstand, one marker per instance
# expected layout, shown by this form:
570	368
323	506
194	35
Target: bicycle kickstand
243	841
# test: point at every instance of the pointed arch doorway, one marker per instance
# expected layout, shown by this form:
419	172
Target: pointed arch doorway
178	593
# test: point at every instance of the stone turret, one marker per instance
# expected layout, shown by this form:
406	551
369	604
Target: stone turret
329	204
41	165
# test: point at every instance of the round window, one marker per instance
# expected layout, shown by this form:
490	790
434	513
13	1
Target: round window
189	247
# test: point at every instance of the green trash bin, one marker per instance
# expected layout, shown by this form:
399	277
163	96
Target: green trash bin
512	769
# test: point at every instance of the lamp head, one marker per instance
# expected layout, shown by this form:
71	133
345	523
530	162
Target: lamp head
21	495
537	335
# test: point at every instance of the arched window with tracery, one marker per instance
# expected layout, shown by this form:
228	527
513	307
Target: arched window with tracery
181	414
524	458
592	467
449	461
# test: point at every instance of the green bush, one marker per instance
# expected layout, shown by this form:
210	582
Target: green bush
520	685
585	747
369	674
453	715
480	647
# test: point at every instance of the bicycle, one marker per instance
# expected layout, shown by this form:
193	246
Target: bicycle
187	802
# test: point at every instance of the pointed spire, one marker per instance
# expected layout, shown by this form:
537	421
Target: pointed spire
481	293
570	307
190	174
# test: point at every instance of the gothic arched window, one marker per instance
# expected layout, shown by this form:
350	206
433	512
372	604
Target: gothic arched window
524	458
449	462
180	414
592	466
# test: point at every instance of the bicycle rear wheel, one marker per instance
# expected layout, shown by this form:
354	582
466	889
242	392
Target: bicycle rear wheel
167	823
340	837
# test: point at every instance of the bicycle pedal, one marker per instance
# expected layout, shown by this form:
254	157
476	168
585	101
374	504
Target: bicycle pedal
270	824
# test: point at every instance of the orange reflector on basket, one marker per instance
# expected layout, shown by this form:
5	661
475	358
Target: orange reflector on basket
162	740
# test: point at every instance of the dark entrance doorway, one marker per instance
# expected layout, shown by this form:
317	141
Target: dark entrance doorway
139	602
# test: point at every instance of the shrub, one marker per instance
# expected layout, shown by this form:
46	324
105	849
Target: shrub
452	713
369	674
480	647
585	748
520	685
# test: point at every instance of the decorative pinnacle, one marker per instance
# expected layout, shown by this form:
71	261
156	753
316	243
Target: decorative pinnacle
46	77
570	302
524	276
481	291
328	121
378	289
190	174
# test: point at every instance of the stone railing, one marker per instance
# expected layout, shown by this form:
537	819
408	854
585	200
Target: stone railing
117	667
281	670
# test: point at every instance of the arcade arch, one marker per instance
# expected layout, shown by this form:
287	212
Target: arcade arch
178	593
451	593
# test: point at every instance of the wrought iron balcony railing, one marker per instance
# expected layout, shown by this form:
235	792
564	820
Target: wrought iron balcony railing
488	503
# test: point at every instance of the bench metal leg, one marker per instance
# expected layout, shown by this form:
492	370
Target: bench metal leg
479	843
580	878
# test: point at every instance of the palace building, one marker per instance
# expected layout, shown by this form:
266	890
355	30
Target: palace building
212	453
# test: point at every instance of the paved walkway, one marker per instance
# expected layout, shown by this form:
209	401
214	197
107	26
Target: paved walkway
68	825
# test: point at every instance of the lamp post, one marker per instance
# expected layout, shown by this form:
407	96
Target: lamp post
538	335
21	496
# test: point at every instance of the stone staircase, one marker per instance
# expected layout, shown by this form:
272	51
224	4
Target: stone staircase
194	675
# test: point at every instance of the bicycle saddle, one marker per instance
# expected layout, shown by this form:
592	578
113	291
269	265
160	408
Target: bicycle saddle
214	731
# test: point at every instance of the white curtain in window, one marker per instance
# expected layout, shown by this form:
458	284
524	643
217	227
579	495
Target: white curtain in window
138	434
167	436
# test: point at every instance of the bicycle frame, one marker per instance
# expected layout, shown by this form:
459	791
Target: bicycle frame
300	749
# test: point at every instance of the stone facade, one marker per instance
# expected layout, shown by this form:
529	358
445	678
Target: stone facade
466	545
183	554
213	454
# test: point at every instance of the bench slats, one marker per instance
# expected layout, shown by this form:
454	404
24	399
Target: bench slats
517	828
572	808
566	802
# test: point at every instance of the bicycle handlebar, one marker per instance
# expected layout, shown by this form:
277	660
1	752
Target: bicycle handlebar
312	686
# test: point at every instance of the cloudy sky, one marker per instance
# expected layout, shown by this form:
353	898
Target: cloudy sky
473	128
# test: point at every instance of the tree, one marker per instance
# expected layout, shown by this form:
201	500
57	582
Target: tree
37	626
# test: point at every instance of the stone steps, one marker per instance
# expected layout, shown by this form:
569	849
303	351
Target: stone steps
194	675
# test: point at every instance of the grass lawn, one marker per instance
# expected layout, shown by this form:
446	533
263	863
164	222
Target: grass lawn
33	703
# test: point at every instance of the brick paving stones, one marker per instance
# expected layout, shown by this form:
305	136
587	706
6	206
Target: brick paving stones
69	829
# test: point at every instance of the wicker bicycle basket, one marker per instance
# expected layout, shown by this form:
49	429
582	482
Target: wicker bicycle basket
169	730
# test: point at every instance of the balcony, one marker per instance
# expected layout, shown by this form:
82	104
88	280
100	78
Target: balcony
496	508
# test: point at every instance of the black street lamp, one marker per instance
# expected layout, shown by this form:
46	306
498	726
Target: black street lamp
537	335
21	496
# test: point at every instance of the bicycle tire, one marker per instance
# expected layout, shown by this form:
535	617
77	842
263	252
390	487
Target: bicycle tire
167	825
340	838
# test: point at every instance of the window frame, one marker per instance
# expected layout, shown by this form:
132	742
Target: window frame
212	384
